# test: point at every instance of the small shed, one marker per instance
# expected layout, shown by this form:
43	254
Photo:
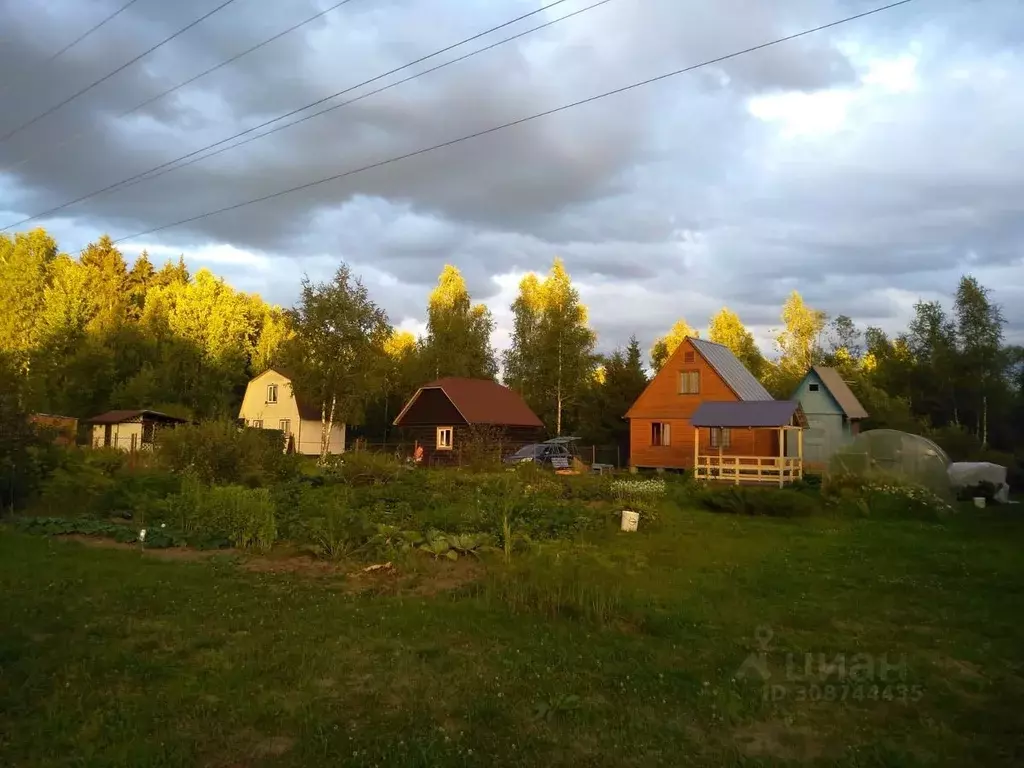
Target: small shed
775	419
445	415
833	414
64	429
134	430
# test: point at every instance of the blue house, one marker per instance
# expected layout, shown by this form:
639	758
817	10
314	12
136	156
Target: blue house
833	413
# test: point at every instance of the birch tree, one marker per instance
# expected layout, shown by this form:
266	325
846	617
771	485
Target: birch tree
337	349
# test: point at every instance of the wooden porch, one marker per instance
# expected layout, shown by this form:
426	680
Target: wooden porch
780	418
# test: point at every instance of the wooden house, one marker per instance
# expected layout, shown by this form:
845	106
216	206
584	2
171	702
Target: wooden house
270	403
130	430
441	417
661	434
833	413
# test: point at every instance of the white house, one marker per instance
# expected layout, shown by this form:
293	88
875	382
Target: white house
269	403
130	431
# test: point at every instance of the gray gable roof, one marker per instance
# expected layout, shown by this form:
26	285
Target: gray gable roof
841	391
733	372
773	413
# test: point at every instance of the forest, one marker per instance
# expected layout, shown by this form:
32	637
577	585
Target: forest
79	336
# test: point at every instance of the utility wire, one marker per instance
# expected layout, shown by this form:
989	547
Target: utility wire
513	123
147	102
421	59
109	75
374	92
80	38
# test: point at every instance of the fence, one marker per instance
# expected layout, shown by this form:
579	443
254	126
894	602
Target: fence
588	454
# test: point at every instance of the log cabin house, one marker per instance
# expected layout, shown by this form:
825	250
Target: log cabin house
442	416
663	436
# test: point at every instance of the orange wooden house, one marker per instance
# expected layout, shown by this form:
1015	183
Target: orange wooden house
739	442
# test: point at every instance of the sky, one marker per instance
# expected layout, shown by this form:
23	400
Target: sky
867	166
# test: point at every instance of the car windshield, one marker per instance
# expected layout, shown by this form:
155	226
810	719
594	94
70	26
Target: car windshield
528	451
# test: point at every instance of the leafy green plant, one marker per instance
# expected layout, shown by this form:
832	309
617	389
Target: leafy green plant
756	501
223	452
641	496
438	545
883	496
359	468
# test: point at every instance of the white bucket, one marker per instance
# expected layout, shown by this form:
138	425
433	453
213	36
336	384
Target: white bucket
630	520
979	502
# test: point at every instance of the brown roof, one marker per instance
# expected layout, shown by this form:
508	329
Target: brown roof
841	391
120	417
482	401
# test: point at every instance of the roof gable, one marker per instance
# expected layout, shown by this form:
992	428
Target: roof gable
838	389
308	411
480	401
733	372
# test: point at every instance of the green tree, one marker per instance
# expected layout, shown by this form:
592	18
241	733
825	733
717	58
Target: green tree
664	346
621	382
458	339
727	329
25	260
983	363
931	342
336	353
551	360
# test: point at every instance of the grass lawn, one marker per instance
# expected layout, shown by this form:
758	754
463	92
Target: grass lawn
622	650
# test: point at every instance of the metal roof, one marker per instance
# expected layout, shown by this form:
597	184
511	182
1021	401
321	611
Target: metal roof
841	392
733	372
750	413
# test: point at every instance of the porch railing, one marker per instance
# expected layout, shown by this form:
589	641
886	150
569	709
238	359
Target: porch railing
776	470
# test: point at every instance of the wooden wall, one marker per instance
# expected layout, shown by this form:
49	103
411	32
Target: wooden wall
661	402
510	440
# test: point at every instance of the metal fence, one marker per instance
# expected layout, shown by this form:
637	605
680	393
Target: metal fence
402	450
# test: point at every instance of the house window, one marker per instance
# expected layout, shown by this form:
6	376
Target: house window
444	438
286	426
661	433
689	382
271	393
813	387
721	437
256	423
687	357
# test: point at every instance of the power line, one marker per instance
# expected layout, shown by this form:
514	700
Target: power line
191	80
374	92
109	75
146	173
513	123
81	37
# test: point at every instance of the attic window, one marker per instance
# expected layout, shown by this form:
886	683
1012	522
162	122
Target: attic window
271	393
444	438
813	387
687	357
689	382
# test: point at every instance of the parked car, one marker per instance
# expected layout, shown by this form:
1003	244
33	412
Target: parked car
546	454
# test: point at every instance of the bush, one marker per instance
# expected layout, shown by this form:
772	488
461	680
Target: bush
882	496
364	468
223	452
641	496
755	501
243	516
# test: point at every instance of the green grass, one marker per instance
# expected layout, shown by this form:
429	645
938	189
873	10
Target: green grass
617	651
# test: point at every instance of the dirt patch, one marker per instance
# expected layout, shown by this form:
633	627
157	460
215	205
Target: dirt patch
275	746
964	670
303	565
775	739
167	553
438	577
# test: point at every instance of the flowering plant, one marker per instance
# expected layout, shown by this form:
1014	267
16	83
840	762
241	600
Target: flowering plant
639	495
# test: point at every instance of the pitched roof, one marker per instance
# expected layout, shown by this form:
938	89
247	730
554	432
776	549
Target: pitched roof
841	392
482	401
120	417
749	413
733	372
307	411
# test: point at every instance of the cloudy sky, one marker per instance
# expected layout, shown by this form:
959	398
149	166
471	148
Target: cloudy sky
867	166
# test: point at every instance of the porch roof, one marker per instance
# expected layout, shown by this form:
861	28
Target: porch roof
749	413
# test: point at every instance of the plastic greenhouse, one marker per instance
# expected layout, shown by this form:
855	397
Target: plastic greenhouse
889	452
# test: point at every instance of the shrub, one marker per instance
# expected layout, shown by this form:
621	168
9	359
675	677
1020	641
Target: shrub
641	496
755	501
243	516
364	468
223	452
330	526
879	495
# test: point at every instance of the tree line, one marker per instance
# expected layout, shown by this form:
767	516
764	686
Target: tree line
88	334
